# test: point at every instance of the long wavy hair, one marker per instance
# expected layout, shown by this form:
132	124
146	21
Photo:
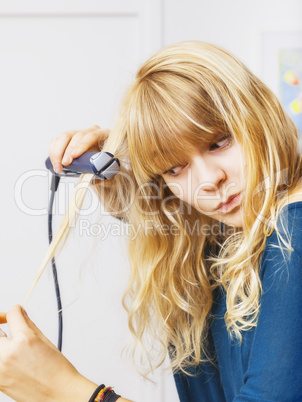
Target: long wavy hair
181	98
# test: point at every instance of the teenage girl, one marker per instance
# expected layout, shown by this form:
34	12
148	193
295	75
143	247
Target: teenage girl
210	182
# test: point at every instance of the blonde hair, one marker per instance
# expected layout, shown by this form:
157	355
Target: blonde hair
181	97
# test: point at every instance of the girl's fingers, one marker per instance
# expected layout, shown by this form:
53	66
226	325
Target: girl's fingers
19	323
76	144
72	144
37	331
92	141
16	321
57	149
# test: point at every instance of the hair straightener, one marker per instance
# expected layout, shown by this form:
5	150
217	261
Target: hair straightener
105	167
102	164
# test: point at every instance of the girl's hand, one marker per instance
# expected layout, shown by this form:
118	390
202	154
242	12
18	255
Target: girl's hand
72	144
33	369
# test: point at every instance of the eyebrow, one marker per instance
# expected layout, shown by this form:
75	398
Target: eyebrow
171	168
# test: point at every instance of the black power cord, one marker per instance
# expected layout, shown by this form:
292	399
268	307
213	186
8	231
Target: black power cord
55	180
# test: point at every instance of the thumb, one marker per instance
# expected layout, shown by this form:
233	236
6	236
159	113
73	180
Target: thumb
37	331
16	322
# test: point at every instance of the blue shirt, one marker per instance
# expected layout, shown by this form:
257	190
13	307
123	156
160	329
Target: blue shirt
268	365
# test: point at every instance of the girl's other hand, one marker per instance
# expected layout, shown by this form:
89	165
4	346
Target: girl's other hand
32	368
72	144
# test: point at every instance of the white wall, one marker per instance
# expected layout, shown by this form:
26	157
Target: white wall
64	65
235	25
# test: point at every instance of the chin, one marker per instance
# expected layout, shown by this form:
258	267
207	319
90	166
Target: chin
234	220
238	224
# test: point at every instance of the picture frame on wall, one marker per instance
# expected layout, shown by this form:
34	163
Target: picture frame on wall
282	71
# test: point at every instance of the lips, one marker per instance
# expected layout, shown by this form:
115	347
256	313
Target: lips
228	200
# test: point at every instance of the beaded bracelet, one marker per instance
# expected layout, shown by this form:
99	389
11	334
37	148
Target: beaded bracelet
103	393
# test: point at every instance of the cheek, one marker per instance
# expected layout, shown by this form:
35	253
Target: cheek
241	160
187	195
236	163
179	189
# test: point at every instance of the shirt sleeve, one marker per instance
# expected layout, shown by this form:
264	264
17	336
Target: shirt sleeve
275	364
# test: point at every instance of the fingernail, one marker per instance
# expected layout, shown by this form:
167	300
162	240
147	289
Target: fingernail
57	168
67	160
2	333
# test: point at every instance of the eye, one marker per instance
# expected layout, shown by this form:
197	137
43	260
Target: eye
225	140
222	140
171	171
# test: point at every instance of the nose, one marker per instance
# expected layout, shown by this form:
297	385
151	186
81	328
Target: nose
209	176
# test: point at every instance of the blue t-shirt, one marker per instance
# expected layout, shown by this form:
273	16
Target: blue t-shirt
268	365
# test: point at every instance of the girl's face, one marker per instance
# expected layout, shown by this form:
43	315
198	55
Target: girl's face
211	177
